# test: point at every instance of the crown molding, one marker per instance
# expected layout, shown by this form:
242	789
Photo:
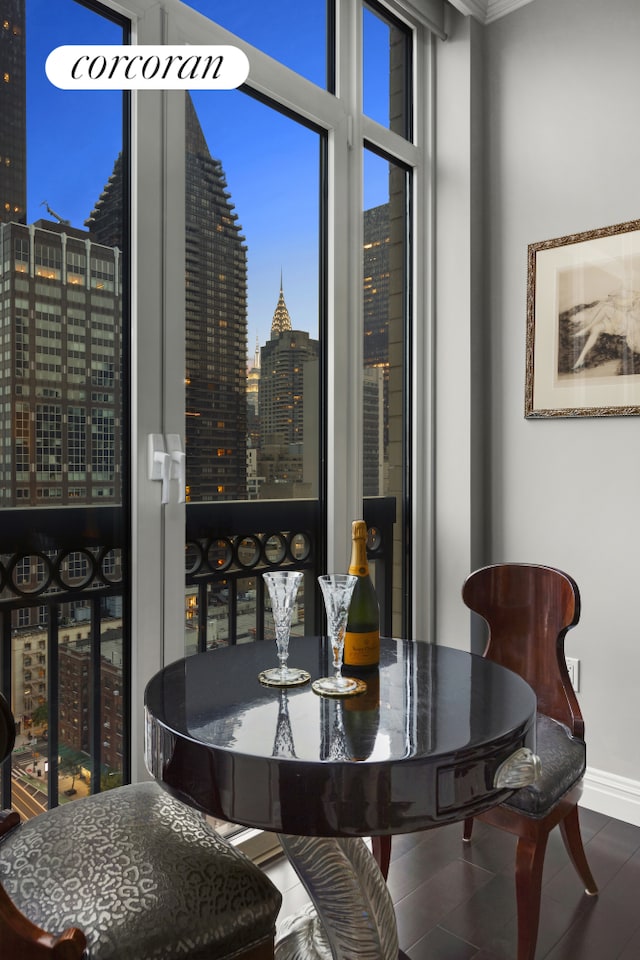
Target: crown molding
486	11
500	8
471	8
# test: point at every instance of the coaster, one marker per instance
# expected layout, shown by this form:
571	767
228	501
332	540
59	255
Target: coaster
360	688
267	681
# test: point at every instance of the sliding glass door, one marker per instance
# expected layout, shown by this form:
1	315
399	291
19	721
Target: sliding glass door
254	331
267	355
216	287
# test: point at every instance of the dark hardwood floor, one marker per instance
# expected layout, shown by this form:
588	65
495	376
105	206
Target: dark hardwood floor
456	901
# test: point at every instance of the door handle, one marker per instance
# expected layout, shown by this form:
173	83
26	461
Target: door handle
159	463
167	461
178	464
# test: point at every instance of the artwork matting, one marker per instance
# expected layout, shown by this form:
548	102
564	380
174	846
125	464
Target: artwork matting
583	324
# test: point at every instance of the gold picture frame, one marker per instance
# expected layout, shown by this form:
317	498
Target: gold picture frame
583	324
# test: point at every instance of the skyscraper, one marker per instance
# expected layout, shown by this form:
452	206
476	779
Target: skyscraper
376	278
61	366
376	286
281	393
216	327
373	418
106	219
253	420
282	397
13	124
215	317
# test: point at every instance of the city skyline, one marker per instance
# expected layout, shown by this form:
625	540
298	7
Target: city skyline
286	245
217	328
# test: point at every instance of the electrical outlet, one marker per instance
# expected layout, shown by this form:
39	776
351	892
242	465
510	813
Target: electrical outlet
573	666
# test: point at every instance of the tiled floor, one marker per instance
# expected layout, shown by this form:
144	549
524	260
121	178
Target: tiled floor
456	901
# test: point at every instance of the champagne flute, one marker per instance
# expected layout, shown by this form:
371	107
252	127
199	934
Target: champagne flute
337	589
283	588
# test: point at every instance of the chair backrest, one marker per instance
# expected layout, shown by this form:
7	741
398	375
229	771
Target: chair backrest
529	609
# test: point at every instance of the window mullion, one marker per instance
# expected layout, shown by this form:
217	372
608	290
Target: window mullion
344	335
389	143
148	220
267	76
423	338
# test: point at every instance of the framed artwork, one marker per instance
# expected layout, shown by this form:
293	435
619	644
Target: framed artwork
583	324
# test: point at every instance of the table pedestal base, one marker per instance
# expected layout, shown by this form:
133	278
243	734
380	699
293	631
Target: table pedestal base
352	913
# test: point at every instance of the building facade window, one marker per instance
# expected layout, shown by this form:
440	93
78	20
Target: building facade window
102	274
48	261
21	254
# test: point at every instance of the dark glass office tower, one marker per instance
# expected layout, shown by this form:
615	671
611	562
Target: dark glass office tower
216	327
215	318
106	219
376	286
13	124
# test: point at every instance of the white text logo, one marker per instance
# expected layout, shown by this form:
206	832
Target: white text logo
108	67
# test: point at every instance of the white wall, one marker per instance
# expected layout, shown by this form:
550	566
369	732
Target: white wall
562	155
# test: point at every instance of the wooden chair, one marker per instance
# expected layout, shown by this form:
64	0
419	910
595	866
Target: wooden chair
132	874
529	610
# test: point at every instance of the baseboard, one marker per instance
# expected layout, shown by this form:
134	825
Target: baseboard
614	796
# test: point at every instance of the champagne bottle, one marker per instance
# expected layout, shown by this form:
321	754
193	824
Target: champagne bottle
362	635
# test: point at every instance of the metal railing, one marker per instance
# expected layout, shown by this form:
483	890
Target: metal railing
230	545
64	603
63	575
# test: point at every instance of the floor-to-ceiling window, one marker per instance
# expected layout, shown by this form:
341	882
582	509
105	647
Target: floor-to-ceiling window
254	335
387	98
273	303
64	454
294	373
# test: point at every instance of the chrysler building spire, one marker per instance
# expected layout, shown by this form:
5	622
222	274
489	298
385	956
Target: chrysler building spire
281	319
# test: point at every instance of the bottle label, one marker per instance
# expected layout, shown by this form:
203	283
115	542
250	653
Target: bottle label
361	649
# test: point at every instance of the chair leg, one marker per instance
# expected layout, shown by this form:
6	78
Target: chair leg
529	864
467	830
381	849
570	830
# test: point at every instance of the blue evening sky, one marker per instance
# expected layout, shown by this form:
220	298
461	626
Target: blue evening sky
271	162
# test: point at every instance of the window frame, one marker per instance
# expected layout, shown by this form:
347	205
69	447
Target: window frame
157	370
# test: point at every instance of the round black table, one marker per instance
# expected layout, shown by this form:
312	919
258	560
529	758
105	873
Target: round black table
438	736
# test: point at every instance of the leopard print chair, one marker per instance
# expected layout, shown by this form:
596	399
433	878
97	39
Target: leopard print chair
129	874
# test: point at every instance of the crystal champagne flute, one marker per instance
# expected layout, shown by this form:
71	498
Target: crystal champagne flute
283	588
337	589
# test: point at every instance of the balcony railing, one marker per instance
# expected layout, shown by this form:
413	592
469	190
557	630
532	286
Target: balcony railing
64	599
230	545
